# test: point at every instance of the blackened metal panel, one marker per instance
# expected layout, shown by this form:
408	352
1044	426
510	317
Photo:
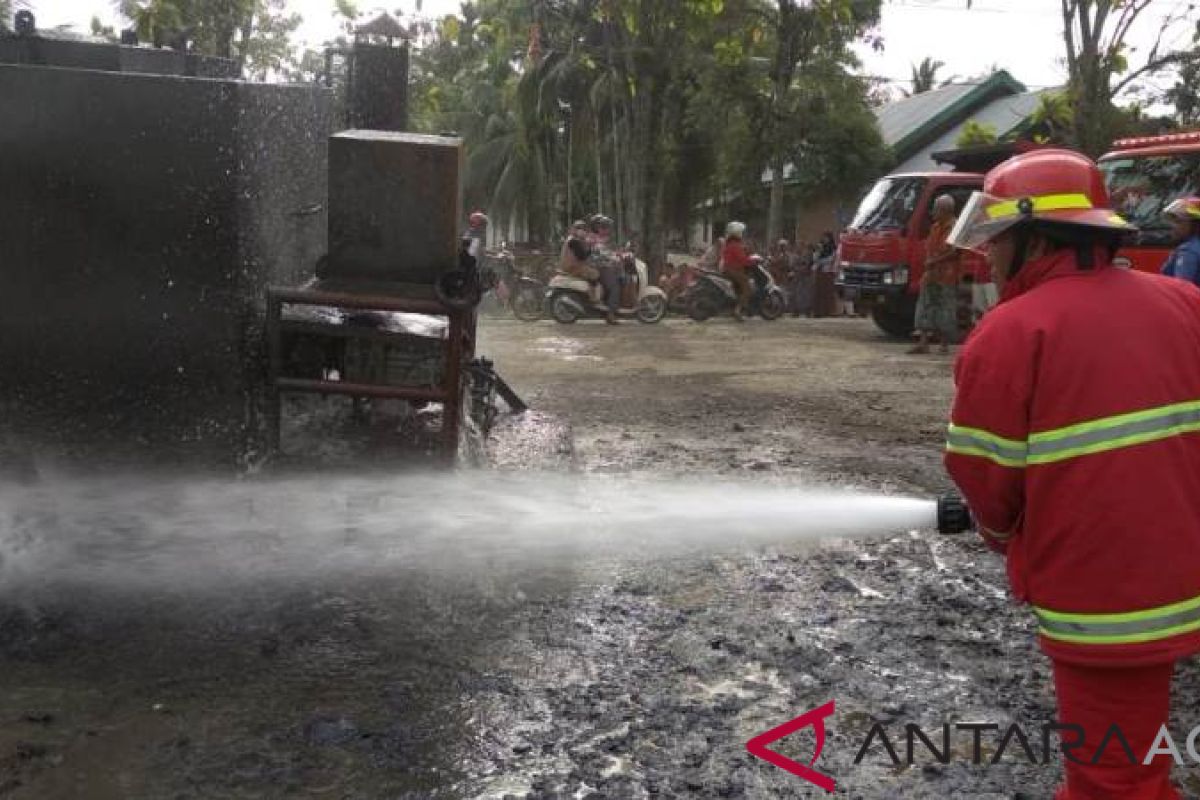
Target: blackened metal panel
395	206
379	89
125	245
282	190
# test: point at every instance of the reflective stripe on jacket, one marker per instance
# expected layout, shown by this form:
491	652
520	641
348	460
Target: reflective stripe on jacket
1075	435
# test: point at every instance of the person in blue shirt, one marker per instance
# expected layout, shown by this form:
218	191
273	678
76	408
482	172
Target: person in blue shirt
1184	262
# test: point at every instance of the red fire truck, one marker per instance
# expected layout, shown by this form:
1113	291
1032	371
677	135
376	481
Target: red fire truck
882	252
1143	176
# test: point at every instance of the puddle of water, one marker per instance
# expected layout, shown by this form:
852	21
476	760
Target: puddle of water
567	349
559	345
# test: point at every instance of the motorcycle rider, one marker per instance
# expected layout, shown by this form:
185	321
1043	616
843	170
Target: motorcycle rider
734	262
463	287
710	259
573	260
1184	262
476	235
604	259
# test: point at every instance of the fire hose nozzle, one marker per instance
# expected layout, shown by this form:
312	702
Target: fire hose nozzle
953	516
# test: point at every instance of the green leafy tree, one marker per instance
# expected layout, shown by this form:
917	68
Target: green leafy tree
255	33
1051	122
642	109
1184	95
976	134
102	31
924	76
211	26
811	54
265	46
6	13
1100	62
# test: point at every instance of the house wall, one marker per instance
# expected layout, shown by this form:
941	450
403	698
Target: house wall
814	219
807	224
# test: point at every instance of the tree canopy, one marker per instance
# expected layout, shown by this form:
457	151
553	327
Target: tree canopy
255	33
1102	64
924	76
976	134
646	109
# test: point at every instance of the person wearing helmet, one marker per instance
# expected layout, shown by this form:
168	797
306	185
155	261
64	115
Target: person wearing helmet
606	263
1184	262
474	240
576	249
734	261
476	234
463	287
1075	439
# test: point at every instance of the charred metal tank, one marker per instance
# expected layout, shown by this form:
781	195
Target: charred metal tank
143	217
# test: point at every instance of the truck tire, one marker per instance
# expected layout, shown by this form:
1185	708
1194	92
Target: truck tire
895	317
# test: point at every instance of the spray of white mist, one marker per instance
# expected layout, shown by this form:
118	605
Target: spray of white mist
206	535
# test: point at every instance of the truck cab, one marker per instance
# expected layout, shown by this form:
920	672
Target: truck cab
1143	175
881	255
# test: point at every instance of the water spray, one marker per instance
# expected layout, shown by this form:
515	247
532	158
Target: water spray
143	533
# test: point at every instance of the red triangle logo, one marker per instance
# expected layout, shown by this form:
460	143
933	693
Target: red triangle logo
814	719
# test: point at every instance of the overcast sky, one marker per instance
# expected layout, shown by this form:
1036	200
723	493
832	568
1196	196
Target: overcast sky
1022	36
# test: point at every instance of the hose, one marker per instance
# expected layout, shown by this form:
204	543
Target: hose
953	516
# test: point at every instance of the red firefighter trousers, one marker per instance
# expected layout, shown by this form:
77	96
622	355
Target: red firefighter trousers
1137	700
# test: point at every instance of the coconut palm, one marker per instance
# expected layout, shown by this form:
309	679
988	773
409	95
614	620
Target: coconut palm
924	76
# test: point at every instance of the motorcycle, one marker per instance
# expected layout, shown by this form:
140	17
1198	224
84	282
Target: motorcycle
570	298
527	298
714	293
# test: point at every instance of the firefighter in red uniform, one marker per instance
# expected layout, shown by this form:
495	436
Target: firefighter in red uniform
1075	438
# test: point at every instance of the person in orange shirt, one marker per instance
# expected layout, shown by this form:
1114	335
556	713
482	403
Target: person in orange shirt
937	305
734	261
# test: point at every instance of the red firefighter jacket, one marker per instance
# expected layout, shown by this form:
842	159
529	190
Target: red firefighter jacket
1075	439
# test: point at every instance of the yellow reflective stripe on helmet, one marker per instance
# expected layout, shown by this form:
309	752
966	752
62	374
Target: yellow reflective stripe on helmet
977	442
1046	202
1131	627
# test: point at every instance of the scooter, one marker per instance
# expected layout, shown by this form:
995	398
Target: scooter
714	293
527	297
570	298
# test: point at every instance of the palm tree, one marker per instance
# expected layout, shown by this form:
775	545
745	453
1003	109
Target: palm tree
1051	122
924	76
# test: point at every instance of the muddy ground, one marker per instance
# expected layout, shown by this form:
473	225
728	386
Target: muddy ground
607	677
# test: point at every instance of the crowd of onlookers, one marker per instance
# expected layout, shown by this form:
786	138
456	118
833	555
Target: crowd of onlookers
799	268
